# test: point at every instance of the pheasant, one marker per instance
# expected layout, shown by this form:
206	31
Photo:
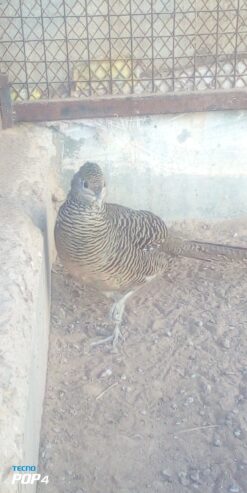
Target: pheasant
118	249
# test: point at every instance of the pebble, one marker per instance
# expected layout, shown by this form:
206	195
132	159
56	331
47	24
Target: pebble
184	480
217	442
241	398
106	373
190	400
195	476
168	333
226	343
123	377
234	488
166	476
237	433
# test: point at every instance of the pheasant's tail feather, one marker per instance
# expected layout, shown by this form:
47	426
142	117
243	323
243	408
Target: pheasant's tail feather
203	250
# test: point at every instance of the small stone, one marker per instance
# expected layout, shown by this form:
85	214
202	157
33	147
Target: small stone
129	389
237	433
195	476
106	373
123	377
166	476
228	419
168	333
217	442
143	412
234	488
206	388
184	480
226	343
240	398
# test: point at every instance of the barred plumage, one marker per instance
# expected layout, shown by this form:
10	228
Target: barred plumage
117	248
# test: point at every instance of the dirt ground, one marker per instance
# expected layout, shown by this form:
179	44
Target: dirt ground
168	411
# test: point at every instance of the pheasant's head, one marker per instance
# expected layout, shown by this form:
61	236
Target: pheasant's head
88	184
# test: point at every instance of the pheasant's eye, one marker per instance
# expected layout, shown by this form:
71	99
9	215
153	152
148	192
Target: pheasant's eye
85	184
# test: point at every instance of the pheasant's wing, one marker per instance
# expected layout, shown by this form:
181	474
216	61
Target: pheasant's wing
145	229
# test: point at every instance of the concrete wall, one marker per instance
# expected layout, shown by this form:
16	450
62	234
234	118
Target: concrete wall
26	249
182	166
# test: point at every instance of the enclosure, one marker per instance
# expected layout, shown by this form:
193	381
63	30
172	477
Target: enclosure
155	93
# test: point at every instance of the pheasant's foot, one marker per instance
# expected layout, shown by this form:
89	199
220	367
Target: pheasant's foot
114	338
102	341
116	335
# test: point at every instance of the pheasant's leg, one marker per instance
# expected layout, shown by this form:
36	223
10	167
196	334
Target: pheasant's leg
116	315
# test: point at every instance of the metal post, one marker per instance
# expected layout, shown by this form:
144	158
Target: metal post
5	102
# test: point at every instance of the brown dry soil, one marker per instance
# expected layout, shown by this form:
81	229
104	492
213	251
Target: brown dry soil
168	411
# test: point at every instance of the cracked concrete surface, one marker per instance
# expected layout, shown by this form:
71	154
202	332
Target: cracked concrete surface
26	173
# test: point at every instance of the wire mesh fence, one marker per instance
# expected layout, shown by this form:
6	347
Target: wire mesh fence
80	48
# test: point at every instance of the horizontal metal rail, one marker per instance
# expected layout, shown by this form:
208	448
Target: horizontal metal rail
122	106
